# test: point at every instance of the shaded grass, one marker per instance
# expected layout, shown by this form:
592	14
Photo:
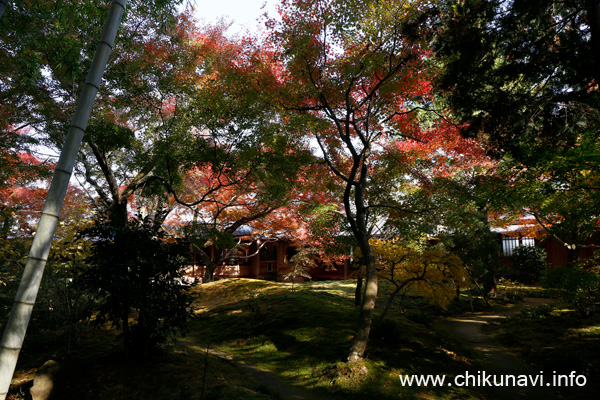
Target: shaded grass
99	370
304	336
301	336
556	340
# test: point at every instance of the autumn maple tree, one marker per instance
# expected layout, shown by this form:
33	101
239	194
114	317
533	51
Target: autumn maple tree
230	162
21	203
214	203
353	76
43	71
133	136
458	189
430	272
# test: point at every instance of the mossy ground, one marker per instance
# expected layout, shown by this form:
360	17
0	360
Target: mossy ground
557	341
301	336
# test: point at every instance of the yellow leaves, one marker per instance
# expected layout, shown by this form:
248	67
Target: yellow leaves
431	272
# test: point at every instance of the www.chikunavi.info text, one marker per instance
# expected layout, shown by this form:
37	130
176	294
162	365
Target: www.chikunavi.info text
483	379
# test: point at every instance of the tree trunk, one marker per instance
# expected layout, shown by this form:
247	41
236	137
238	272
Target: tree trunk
593	12
118	213
361	233
572	254
14	332
361	336
388	305
209	272
489	282
4	225
358	291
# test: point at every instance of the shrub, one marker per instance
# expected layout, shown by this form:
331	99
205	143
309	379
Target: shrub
419	318
579	287
135	271
529	262
538	312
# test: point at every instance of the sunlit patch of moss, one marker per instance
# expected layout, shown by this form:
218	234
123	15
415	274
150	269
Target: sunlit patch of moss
303	336
588	331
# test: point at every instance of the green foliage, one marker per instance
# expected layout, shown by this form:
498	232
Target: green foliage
203	236
135	271
301	263
41	73
419	317
463	204
109	136
537	312
479	250
521	71
62	303
328	227
529	262
525	74
13	255
580	287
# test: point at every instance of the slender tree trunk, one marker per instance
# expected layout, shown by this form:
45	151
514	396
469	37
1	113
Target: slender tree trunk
388	305
4	224
572	254
483	294
593	12
361	233
361	336
209	272
14	332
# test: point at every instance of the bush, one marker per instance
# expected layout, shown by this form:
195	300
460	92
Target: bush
538	312
530	263
62	304
13	256
135	271
579	287
419	318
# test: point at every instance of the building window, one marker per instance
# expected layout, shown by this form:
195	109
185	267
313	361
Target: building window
289	253
509	244
269	252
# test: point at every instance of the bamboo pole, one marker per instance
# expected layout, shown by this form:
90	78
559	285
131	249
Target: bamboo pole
14	332
3	4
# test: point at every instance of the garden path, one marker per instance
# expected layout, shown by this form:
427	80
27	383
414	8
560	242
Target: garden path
494	358
275	386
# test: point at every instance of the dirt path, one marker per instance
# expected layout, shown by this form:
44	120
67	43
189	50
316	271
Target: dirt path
492	357
276	386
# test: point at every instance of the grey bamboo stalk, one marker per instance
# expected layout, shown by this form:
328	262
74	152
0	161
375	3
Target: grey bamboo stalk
14	332
3	4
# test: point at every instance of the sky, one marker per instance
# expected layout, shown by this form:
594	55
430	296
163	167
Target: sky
243	13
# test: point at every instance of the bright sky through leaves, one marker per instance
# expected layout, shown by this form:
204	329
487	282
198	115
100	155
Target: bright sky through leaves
243	13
